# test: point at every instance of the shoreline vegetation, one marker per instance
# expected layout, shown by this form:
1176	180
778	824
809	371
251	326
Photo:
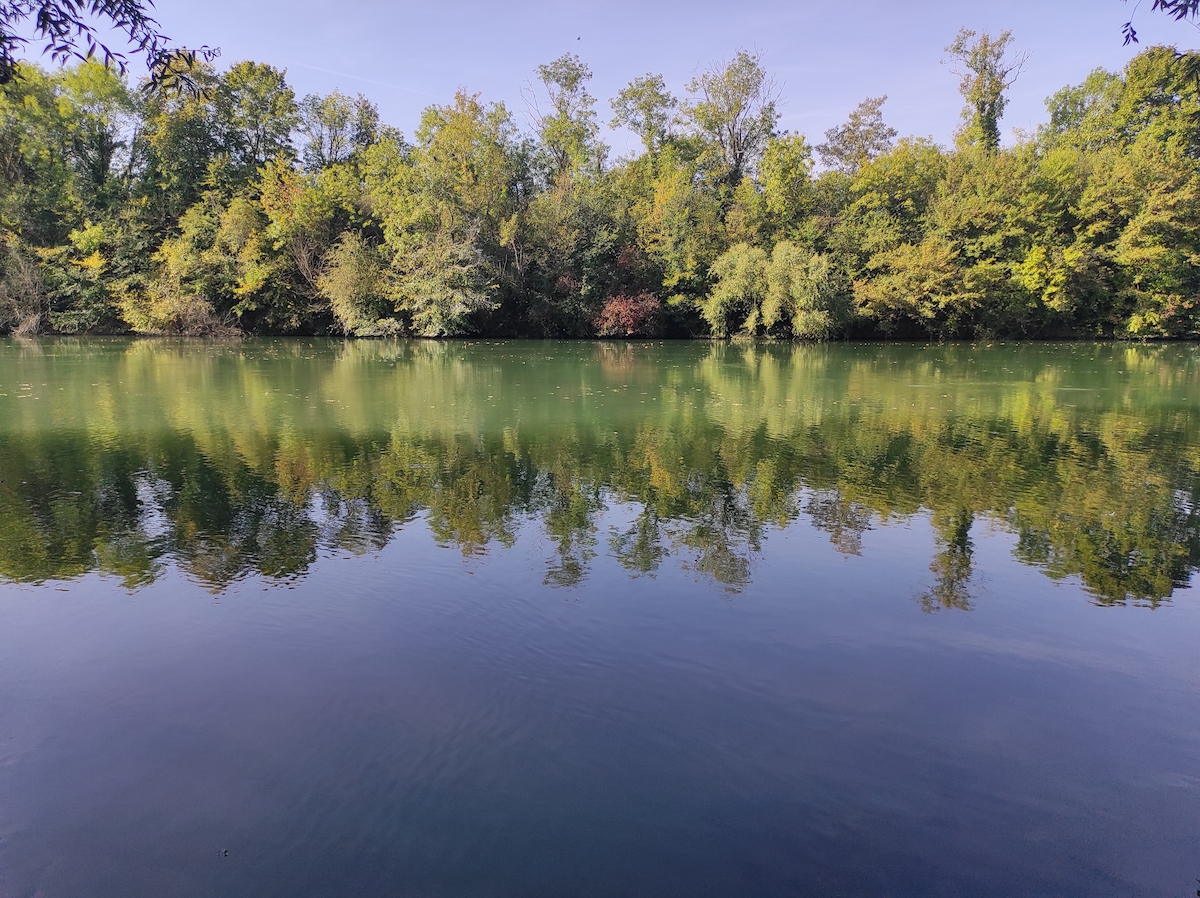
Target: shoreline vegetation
243	209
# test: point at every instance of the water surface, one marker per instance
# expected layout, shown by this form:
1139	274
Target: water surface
311	618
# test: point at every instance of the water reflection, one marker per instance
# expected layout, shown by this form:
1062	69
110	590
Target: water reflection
254	458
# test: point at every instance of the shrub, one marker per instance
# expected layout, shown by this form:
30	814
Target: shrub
630	316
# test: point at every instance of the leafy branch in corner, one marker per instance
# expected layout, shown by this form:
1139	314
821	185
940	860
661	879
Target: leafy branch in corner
68	29
1178	9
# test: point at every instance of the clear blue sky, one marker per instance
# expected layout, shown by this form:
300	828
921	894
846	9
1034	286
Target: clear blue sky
828	55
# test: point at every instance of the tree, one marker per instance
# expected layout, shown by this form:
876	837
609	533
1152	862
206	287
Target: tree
306	214
178	211
899	187
1084	115
985	73
38	188
784	175
100	117
354	282
442	206
71	29
733	109
646	107
790	293
191	280
441	283
1155	93
802	299
178	144
567	129
863	137
679	226
465	168
913	284
257	110
739	288
335	127
22	292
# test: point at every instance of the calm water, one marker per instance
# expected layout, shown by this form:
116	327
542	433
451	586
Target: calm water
312	618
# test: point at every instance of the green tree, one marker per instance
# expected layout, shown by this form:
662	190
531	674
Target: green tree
1158	250
1153	93
305	214
177	143
679	226
739	288
894	193
804	299
575	235
442	207
467	160
734	108
442	283
191	280
355	281
864	136
646	108
1084	115
785	175
100	116
984	73
913	286
39	193
567	129
257	111
335	127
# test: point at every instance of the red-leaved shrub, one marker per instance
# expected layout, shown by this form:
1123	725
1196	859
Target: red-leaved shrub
630	316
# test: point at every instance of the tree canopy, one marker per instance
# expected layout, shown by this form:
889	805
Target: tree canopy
985	72
241	207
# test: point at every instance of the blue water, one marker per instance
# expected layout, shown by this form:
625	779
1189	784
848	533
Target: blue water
404	709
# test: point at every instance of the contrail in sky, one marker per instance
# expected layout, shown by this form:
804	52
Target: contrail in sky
410	90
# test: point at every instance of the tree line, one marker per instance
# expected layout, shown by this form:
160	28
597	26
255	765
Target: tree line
240	207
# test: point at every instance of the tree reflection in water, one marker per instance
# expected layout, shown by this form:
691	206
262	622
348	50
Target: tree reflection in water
228	460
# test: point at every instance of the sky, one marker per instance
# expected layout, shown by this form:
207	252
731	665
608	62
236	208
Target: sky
826	56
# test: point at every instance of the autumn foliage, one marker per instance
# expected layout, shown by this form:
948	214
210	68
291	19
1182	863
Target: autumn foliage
630	316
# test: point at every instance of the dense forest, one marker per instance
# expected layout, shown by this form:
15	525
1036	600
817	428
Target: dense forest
238	207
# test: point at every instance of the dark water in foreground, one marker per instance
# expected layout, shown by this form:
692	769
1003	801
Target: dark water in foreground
310	619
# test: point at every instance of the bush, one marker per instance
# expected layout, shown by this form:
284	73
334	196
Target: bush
22	294
630	316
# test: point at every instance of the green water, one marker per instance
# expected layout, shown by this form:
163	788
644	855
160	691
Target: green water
598	618
1088	453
